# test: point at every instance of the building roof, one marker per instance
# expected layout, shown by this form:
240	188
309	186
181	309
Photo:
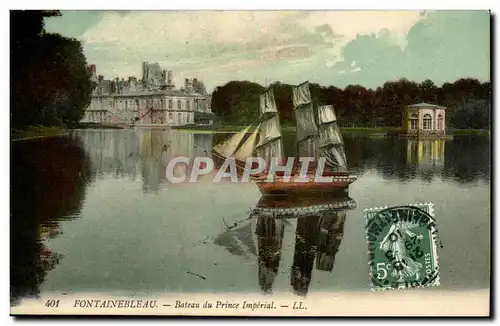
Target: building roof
139	93
425	105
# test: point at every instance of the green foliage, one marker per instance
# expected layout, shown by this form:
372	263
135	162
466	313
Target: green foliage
50	81
468	102
237	101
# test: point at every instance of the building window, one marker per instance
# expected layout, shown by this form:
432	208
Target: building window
161	104
427	122
188	105
413	122
179	117
179	106
170	117
126	105
440	122
170	104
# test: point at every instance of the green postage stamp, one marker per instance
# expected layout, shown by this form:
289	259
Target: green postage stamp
402	247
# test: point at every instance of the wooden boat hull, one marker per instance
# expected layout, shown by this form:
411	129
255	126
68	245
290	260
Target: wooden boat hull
341	180
280	186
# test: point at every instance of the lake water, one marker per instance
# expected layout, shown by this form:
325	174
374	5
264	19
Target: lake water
93	212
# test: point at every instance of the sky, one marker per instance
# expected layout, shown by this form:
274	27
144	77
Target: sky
328	47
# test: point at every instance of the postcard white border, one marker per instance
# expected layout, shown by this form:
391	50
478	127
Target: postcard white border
147	4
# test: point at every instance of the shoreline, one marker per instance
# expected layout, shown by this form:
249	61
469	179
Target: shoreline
36	132
41	132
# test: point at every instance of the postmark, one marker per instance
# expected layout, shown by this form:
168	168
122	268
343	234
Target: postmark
402	250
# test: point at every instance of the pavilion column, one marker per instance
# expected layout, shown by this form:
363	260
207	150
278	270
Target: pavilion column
434	120
420	121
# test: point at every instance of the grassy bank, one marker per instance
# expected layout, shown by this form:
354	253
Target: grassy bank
91	125
360	130
456	132
36	132
287	128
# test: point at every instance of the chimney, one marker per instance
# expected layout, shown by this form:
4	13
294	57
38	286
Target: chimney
100	78
113	87
169	77
145	71
164	77
195	84
186	83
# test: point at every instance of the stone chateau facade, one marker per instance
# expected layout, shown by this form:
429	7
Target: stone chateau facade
153	100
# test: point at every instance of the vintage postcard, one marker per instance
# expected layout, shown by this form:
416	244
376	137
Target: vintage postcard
250	163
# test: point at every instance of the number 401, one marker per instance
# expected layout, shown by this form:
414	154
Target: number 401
52	303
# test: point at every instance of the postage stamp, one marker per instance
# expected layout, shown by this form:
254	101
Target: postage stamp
402	246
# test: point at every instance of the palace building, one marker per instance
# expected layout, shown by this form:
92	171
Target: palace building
154	100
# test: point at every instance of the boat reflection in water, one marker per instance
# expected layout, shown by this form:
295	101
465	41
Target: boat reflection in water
319	225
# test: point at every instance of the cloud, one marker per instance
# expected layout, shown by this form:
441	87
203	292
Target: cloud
291	46
185	40
442	46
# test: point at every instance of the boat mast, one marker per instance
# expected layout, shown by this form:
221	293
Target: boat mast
307	129
270	144
330	142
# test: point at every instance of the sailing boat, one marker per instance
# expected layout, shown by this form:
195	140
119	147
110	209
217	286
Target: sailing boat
319	138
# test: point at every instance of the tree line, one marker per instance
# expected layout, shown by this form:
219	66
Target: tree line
467	100
50	79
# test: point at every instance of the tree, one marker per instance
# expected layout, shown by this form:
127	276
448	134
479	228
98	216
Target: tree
467	99
50	81
237	101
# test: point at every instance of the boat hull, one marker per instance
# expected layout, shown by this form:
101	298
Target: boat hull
281	186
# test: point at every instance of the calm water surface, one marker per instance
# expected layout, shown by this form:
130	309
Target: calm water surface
93	212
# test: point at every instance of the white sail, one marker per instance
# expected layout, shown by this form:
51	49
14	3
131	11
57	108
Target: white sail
228	147
330	140
267	103
301	95
335	158
306	123
307	147
272	150
326	114
248	147
269	130
330	135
